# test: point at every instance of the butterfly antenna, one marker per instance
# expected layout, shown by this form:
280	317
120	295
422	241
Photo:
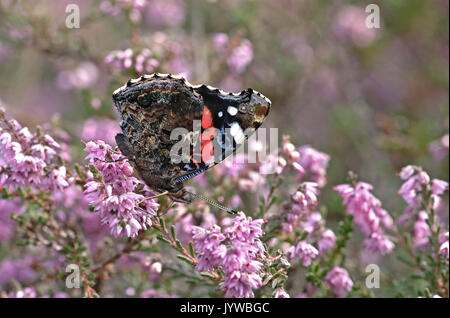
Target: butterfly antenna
213	203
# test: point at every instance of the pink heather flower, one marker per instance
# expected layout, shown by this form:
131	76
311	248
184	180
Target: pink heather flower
368	214
115	195
233	166
305	251
281	293
145	62
289	150
443	237
20	270
443	249
28	292
123	60
238	251
251	182
96	103
184	225
58	179
421	231
338	281
155	271
81	77
240	57
350	23
291	158
108	8
303	201
26	159
379	242
6	224
116	8
220	41
439	148
273	164
313	222
415	181
207	243
315	164
306	196
237	52
416	184
165	12
438	187
327	241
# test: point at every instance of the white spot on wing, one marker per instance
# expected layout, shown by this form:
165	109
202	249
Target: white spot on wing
220	114
232	110
237	133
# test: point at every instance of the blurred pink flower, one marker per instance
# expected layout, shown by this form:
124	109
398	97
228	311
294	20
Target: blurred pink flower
443	249
116	8
302	204
421	231
416	183
281	293
220	41
6	223
84	76
338	281
314	163
350	23
237	52
327	241
100	128
142	62
240	57
165	12
20	270
305	251
439	148
28	292
120	60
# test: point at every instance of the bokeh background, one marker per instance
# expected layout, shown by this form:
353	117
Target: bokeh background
375	100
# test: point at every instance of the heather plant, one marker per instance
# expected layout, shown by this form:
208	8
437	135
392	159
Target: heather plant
356	204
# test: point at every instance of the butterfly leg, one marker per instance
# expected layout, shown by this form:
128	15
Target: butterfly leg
117	160
154	196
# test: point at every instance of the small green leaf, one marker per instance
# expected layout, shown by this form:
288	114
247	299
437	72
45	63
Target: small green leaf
185	259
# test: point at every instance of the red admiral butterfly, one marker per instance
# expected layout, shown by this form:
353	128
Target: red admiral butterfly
153	106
